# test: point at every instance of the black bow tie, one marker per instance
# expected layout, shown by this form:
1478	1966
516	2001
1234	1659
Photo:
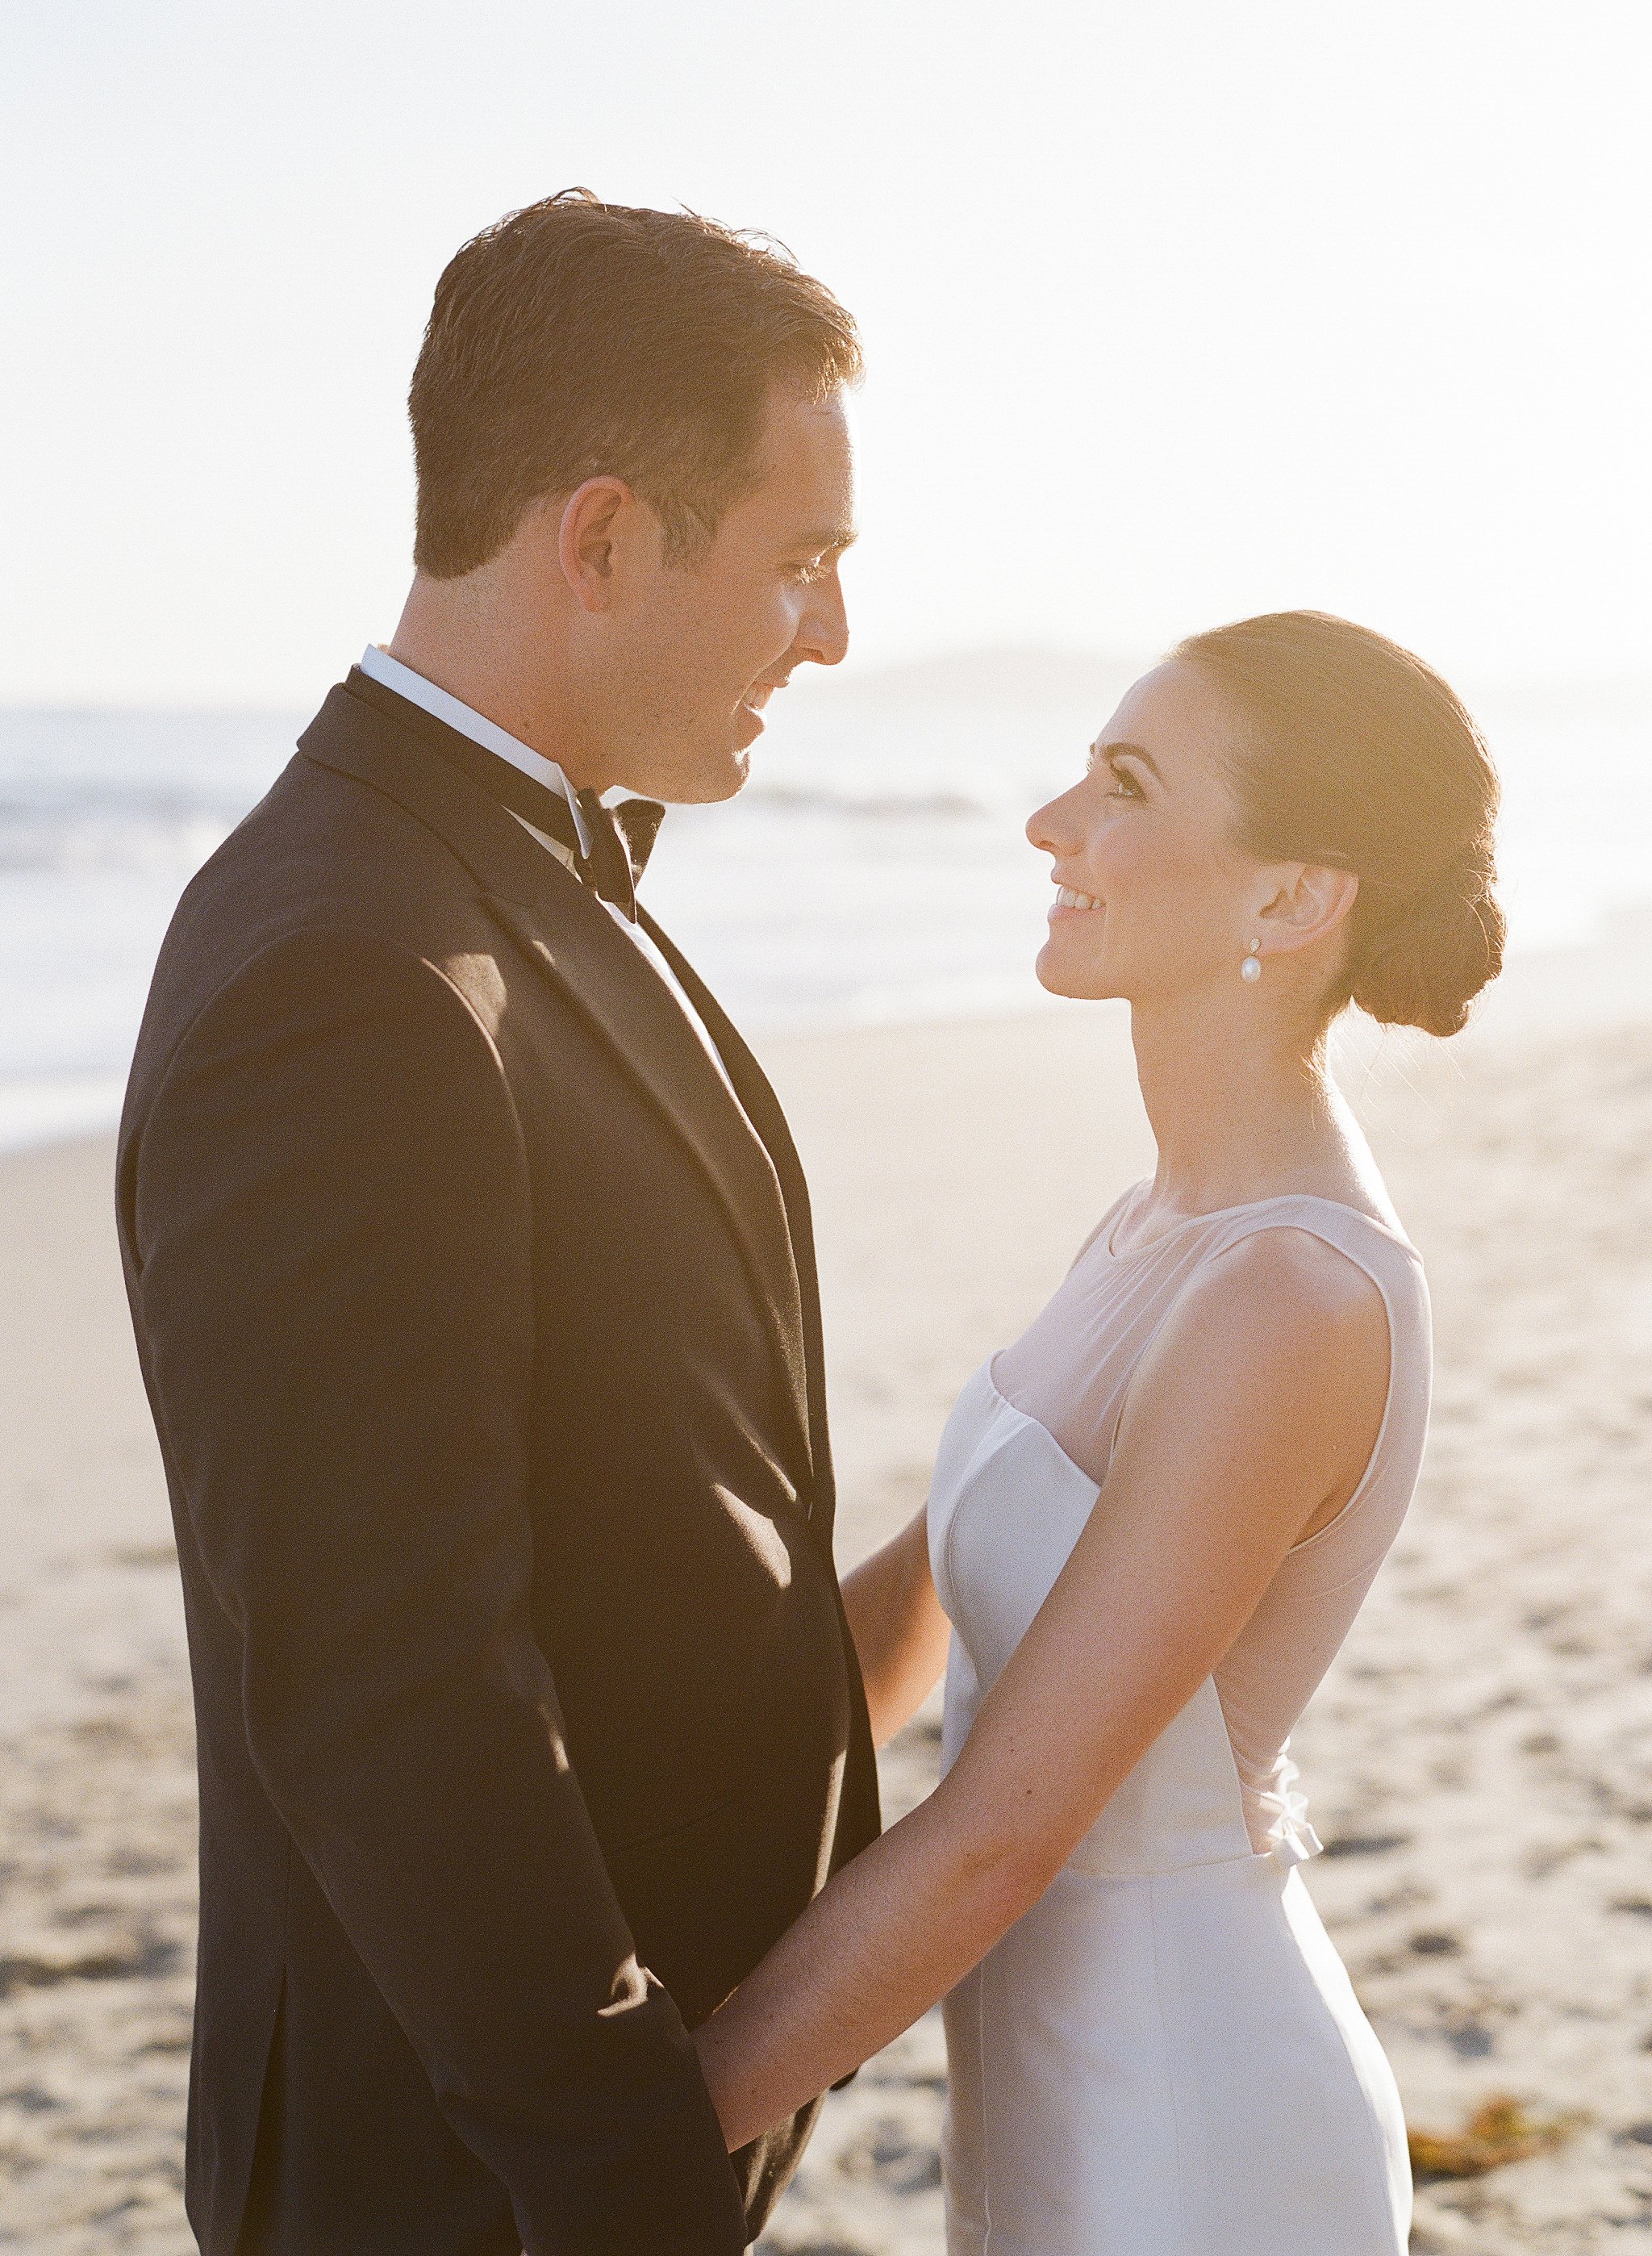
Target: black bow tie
638	822
622	838
614	872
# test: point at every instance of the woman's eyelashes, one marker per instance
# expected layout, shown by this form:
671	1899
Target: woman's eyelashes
1123	782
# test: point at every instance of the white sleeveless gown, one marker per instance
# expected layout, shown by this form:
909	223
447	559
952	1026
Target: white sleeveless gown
1164	2056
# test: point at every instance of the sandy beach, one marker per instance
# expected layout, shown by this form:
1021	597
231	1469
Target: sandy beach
1479	1761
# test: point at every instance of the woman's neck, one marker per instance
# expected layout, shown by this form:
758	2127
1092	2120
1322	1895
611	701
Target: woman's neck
1235	1115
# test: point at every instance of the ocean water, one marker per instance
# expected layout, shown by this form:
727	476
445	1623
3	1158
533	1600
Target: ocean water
874	869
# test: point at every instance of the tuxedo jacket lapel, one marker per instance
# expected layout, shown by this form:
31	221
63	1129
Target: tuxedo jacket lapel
763	1110
578	946
595	963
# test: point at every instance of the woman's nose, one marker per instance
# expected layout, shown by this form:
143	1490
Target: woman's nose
1051	829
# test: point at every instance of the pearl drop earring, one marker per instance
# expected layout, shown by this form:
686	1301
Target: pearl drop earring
1250	969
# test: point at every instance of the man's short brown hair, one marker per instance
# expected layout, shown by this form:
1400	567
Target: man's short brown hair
578	339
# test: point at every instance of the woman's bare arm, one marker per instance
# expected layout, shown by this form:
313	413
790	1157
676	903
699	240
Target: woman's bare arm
900	1631
1258	1405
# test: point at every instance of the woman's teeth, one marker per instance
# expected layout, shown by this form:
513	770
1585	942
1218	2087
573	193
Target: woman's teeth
1067	899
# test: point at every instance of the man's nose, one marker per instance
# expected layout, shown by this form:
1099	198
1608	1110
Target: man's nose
823	632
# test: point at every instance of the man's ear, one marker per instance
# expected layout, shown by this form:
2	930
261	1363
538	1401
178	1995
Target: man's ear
592	526
1312	902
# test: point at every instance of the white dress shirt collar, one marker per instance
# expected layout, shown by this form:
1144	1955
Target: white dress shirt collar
380	666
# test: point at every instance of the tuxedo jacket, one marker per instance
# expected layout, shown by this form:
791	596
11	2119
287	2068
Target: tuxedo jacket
479	1323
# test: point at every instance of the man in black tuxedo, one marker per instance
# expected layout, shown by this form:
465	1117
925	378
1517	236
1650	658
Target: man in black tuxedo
471	1268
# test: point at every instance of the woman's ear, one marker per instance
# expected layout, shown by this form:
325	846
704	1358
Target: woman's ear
1312	902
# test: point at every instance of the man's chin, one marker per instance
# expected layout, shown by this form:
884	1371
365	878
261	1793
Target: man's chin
708	781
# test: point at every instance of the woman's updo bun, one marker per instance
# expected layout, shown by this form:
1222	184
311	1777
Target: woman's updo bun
1441	950
1353	754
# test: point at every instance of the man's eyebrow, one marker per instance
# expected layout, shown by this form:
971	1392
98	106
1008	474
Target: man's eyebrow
1105	751
839	537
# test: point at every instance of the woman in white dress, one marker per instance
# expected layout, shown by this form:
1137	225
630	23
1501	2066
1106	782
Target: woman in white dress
1154	1516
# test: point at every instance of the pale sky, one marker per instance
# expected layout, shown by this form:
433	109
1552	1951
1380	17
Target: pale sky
1173	312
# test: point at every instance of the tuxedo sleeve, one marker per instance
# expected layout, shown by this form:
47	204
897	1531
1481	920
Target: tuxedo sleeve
333	1228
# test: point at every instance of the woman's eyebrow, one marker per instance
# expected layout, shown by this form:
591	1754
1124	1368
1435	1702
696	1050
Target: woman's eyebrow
1106	751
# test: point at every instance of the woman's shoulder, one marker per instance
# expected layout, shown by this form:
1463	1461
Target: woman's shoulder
1279	1344
1283	1276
